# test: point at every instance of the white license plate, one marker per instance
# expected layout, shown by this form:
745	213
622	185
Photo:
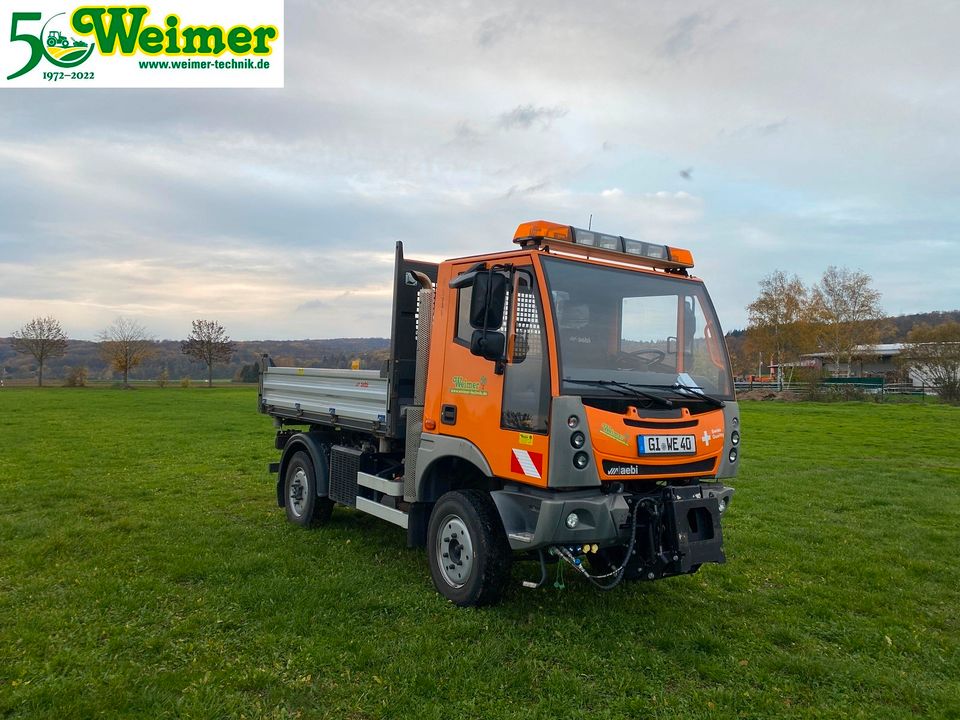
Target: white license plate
667	444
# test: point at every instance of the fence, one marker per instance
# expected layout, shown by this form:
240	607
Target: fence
870	386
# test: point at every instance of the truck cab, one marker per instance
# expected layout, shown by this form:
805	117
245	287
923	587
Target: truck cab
571	401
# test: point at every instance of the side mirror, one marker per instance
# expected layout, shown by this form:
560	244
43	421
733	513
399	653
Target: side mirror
488	344
488	300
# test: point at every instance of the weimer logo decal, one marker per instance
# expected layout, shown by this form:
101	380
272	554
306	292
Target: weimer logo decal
462	386
606	429
124	29
216	43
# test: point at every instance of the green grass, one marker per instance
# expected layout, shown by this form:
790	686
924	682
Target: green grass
145	571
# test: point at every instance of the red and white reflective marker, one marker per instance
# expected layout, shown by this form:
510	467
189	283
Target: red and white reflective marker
528	463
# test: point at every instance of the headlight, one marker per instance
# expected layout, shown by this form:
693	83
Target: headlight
732	457
735	438
581	460
578	439
573	520
573	421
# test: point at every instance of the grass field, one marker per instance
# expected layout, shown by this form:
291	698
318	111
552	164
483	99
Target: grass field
145	571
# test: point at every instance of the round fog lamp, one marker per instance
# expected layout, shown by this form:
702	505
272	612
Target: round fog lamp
577	440
581	460
735	437
573	421
733	455
573	520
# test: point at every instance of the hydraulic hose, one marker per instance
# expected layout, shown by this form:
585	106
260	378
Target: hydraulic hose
620	572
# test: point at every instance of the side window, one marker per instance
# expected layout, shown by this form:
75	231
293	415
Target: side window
464	330
705	361
526	382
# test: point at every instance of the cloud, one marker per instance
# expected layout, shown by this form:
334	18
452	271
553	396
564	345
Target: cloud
465	134
420	124
680	39
491	31
523	117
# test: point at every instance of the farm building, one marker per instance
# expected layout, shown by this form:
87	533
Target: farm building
867	360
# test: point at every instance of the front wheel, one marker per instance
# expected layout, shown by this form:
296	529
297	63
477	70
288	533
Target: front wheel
303	506
470	557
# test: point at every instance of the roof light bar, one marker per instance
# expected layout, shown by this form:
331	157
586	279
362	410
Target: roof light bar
539	232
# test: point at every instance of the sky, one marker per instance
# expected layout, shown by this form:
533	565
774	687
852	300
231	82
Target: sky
761	136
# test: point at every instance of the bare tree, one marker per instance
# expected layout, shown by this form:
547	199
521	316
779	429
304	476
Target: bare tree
934	356
208	343
779	323
848	313
124	345
43	338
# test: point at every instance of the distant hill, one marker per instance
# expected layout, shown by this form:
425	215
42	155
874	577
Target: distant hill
901	325
334	352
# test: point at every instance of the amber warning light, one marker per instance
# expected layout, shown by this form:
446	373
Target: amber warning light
541	232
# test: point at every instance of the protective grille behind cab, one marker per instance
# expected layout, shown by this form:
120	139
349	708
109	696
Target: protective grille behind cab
344	466
424	323
415	411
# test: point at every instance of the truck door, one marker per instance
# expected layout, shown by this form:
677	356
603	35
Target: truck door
504	415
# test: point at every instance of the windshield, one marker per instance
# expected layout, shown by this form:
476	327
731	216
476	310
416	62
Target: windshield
634	327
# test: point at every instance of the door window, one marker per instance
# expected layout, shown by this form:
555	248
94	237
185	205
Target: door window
526	385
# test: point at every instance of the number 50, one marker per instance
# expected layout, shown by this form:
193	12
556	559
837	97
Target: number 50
36	46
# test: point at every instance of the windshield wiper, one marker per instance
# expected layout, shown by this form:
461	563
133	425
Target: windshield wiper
689	391
624	389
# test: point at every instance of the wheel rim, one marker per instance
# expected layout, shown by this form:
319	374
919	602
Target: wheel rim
455	551
298	492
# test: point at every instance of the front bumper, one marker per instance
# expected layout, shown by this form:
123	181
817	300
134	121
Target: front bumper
678	527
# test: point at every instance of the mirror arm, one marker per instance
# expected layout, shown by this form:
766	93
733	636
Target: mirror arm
466	279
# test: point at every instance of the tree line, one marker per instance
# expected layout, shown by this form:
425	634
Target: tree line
124	345
839	316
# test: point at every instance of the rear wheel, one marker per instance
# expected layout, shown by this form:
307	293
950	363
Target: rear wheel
470	557
303	506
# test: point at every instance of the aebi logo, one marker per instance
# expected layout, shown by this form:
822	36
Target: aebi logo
219	43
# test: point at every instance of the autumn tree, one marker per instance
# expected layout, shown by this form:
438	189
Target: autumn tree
933	354
208	343
124	345
43	338
847	311
778	320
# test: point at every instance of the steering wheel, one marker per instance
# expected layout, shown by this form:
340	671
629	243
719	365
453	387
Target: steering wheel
648	357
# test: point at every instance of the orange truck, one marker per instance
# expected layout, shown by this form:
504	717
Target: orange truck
569	400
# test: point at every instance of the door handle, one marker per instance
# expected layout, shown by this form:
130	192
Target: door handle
448	414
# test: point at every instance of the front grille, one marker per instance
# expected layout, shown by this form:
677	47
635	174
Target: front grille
660	425
617	469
